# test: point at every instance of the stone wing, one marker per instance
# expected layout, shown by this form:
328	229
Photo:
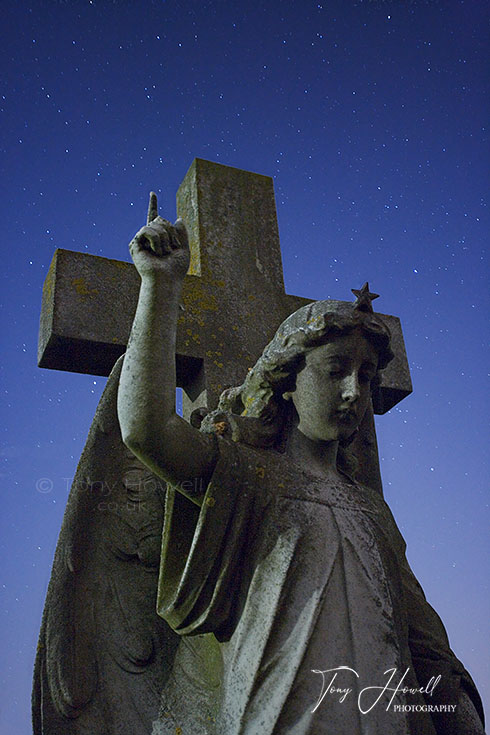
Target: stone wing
104	654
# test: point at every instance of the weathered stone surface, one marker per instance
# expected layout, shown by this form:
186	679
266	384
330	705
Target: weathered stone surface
233	300
278	565
296	572
233	296
103	653
87	310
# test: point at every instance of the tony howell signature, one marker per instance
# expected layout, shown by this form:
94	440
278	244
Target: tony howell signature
369	696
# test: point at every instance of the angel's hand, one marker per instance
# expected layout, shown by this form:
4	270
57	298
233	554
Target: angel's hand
160	249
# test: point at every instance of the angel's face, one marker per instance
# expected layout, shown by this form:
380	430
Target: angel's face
333	388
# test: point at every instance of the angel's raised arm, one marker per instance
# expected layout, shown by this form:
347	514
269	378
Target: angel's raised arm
150	427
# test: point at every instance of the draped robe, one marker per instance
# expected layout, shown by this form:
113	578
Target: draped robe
281	576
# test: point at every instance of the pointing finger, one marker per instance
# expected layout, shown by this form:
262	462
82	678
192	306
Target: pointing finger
152	208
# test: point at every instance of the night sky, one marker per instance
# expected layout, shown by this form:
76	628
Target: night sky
371	118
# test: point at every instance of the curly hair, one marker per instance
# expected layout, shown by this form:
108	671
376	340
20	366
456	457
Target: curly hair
255	412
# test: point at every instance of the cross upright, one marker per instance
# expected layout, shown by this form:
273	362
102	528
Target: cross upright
233	300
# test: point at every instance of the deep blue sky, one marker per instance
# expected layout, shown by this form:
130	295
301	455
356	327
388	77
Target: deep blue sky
371	118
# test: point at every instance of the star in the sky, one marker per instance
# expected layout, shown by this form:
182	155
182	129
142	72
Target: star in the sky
364	298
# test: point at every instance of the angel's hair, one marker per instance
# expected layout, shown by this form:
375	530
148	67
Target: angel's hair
255	412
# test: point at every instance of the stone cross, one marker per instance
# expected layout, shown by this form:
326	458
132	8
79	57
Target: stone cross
233	300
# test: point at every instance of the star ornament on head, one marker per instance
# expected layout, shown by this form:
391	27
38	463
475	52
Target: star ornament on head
364	298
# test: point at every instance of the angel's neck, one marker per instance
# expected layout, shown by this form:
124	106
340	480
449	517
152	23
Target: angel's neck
317	457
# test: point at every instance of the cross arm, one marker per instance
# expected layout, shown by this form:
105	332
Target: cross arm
88	307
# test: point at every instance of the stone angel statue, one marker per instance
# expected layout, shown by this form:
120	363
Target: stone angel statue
270	596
